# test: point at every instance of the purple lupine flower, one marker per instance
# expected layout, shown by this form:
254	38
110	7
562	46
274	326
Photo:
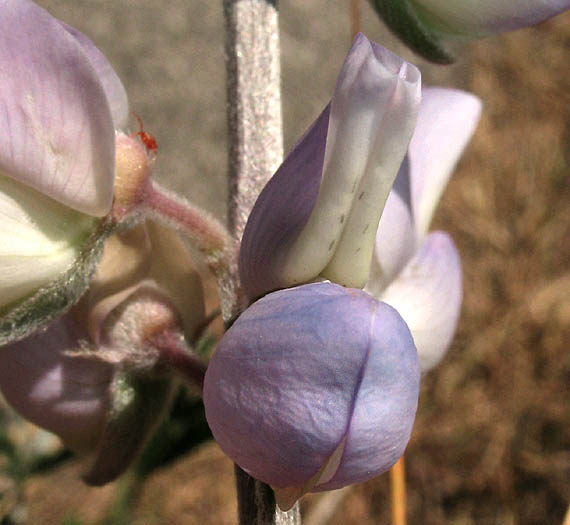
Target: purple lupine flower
314	388
418	273
318	215
60	104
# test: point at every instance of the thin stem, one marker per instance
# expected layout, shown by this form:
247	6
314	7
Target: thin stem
254	102
255	152
256	503
175	353
205	230
208	234
398	492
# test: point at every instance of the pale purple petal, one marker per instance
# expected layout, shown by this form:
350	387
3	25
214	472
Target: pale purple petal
114	89
303	370
395	238
446	122
63	394
373	113
385	405
282	210
57	129
428	294
482	17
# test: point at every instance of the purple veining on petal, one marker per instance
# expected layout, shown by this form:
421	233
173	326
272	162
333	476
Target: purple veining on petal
58	134
282	209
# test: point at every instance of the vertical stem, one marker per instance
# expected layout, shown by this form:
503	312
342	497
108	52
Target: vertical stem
398	492
254	119
254	102
256	150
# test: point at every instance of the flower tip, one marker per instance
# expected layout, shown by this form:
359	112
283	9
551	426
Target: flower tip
286	498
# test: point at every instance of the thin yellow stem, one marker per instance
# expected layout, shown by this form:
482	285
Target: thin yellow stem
354	17
398	492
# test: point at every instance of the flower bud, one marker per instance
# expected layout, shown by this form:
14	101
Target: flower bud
132	173
423	24
313	388
318	215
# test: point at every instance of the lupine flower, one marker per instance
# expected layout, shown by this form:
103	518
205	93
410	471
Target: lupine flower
92	377
60	104
418	273
422	24
317	217
313	388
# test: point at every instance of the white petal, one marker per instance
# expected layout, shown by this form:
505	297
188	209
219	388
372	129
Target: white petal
427	294
39	239
446	122
395	239
372	116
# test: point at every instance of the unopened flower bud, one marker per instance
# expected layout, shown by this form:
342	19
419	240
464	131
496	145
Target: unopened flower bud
313	388
132	172
317	217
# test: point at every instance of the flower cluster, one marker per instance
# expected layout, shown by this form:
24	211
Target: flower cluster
67	172
315	385
333	372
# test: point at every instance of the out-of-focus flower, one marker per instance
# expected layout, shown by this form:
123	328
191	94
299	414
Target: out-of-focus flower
317	216
313	388
60	104
419	274
95	377
422	24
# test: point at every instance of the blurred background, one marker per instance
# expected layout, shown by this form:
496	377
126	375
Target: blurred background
491	443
